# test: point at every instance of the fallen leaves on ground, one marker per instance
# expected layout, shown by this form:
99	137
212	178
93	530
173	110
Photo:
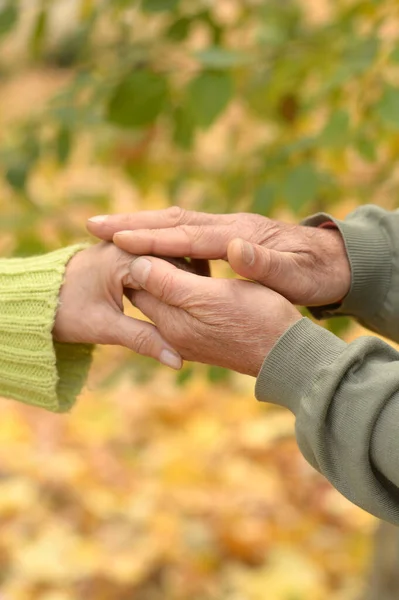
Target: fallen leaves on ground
154	491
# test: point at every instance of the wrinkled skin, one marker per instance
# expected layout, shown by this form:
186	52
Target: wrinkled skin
223	322
308	266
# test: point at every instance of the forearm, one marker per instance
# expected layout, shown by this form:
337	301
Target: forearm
371	237
346	401
33	369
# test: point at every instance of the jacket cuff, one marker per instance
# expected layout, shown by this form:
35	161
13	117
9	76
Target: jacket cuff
370	259
290	369
34	369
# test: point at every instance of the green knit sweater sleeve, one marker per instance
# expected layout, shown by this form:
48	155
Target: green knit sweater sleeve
33	368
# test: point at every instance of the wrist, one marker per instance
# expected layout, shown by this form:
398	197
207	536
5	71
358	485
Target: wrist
65	317
267	345
290	370
341	277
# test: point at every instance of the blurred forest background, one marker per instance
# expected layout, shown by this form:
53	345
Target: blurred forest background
159	487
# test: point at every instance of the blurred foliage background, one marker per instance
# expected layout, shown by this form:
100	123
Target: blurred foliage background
156	487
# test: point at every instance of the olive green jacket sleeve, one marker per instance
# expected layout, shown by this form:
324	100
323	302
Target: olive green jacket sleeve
346	396
33	368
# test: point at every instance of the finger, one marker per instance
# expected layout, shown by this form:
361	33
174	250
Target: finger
153	308
143	338
105	226
276	270
166	282
185	240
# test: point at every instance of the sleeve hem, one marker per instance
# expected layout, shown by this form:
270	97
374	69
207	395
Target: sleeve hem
73	362
370	257
292	366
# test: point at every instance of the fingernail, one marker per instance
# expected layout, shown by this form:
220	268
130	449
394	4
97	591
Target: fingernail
140	270
171	359
99	219
118	233
247	252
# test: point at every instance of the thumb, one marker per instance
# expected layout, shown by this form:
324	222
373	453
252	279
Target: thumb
143	338
276	270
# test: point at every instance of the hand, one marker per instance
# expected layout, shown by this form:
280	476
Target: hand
91	306
223	322
309	266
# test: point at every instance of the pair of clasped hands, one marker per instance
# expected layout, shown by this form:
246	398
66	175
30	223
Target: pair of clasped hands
232	323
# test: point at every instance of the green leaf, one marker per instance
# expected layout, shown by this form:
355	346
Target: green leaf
300	145
179	30
218	374
70	49
361	55
8	18
138	99
31	147
279	22
271	34
339	325
184	128
258	96
17	174
388	107
394	56
209	95
301	186
159	5
264	199
366	148
336	132
30	244
219	58
184	376
38	36
354	62
63	145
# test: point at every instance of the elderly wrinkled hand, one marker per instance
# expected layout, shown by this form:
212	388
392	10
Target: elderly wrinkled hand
223	322
307	265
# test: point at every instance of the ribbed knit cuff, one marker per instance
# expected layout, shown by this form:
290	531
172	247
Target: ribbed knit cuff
370	258
292	366
33	369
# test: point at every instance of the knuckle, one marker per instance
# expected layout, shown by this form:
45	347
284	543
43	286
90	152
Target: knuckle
185	338
250	226
125	220
272	268
114	256
250	218
189	235
243	219
185	331
269	233
199	232
175	214
105	250
166	287
143	342
121	258
196	235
